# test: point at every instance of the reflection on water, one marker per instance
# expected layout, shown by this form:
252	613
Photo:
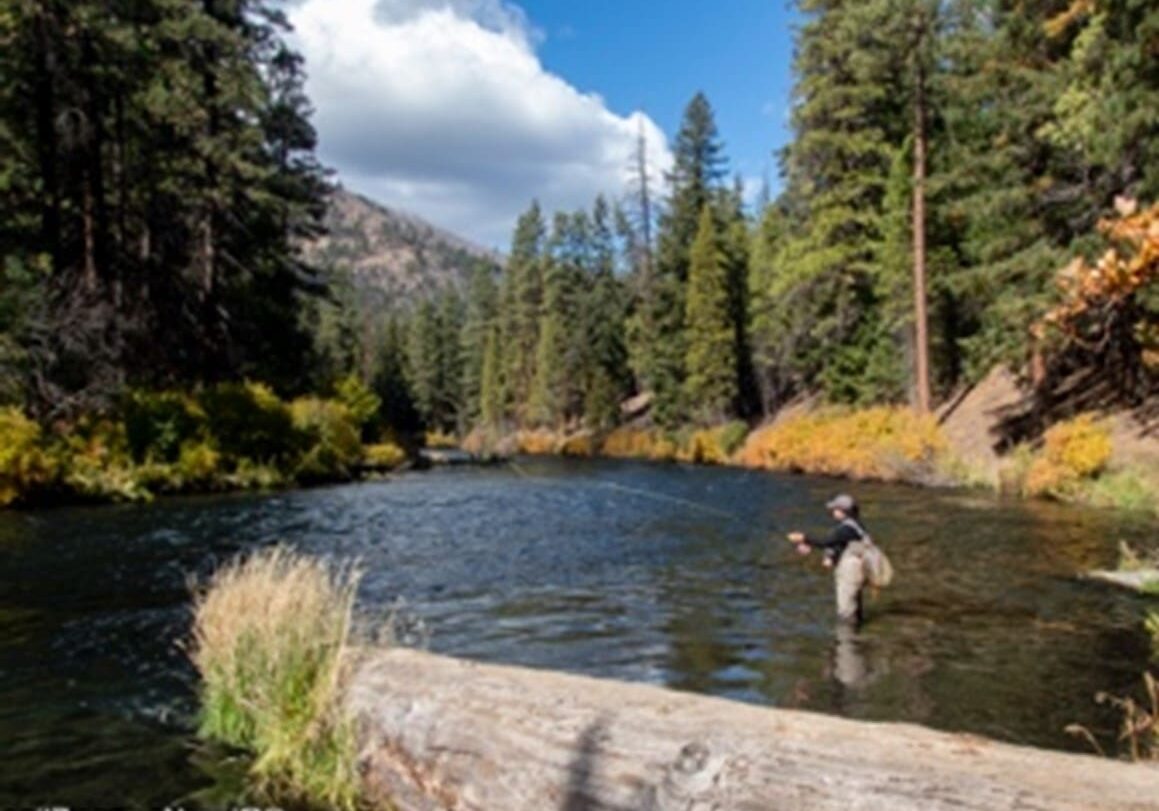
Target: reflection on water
669	575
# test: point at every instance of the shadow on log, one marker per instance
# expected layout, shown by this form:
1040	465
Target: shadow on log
440	734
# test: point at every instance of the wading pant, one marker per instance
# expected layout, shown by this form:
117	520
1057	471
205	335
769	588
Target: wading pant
850	581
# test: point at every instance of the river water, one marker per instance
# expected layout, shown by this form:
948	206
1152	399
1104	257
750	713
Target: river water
670	575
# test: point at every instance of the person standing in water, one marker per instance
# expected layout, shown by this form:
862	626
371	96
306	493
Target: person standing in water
845	551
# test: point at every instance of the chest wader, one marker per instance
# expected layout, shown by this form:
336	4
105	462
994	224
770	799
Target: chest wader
850	580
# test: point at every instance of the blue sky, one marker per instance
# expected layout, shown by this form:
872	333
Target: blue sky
462	111
655	56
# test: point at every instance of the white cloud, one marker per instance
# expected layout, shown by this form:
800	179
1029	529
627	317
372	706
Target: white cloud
442	107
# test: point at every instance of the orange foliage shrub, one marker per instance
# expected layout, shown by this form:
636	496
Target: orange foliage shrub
1097	307
877	443
1072	451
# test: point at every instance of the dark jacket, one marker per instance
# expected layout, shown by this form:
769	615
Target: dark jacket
839	538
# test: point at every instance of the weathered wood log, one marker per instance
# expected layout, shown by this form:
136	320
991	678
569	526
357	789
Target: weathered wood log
1141	580
440	734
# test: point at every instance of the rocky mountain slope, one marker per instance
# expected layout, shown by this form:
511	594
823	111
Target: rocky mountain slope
391	252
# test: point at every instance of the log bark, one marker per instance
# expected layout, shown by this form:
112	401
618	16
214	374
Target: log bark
440	734
1141	581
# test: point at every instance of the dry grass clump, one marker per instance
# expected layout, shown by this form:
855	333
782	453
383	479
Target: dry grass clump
1138	722
1073	451
269	640
883	443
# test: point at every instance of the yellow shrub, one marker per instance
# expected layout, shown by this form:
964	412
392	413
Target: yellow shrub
537	443
628	443
877	443
383	456
97	463
199	463
1072	451
441	439
580	445
663	449
335	443
24	466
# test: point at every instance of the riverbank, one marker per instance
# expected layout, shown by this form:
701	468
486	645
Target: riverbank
229	437
1101	460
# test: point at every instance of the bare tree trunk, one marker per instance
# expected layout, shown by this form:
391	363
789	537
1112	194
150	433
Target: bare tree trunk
921	321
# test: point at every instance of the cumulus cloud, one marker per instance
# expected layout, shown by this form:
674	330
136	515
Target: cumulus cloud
442	107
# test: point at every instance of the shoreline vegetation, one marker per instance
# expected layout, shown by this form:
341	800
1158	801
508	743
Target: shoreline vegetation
228	437
1076	460
281	667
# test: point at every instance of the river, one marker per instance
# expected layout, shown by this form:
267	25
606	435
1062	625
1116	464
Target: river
664	574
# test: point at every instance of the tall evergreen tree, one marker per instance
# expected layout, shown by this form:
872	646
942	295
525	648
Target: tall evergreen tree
604	368
160	161
712	385
481	319
555	392
522	301
659	351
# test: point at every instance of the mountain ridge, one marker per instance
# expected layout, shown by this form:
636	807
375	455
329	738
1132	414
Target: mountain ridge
393	252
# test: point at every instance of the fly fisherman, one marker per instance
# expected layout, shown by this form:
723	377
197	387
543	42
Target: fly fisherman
845	551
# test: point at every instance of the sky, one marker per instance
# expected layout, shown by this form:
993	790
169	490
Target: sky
463	111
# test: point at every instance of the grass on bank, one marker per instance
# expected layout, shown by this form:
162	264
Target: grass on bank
270	641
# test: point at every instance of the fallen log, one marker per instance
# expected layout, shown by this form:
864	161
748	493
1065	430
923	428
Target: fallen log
1141	581
440	734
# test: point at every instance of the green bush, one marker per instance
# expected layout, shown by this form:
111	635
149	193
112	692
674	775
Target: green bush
732	436
97	464
1124	489
334	445
24	465
248	421
362	403
158	424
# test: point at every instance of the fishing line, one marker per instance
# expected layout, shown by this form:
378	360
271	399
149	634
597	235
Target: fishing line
645	494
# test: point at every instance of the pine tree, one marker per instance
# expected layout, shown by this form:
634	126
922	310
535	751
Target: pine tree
481	319
492	406
390	382
522	300
555	393
604	365
659	352
711	386
736	242
159	157
848	117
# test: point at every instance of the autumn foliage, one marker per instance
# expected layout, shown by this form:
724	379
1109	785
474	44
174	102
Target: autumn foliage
1102	319
882	443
